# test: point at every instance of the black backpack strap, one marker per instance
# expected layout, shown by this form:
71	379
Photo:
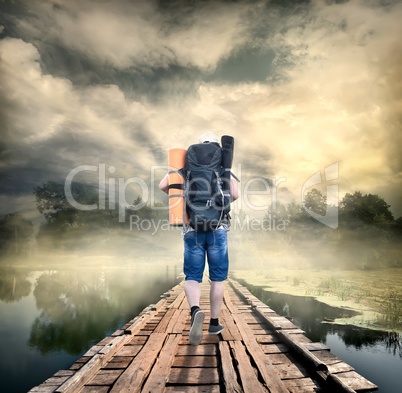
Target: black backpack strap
186	175
232	174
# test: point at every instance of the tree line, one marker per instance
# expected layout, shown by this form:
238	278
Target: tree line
367	236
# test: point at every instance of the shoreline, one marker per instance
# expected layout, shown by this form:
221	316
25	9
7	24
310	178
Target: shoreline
367	292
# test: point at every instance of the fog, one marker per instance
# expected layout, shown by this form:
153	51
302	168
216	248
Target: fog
254	243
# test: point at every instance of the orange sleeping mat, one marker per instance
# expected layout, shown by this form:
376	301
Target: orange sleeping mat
176	196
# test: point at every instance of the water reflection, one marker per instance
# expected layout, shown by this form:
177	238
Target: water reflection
50	318
309	314
14	285
78	306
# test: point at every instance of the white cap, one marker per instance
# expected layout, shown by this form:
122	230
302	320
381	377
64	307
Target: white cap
209	137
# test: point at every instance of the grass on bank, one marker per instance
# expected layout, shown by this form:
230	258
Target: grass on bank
375	294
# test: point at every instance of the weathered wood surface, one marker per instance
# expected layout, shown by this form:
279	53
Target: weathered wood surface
259	351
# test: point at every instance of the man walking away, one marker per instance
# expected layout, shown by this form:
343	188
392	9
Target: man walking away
204	237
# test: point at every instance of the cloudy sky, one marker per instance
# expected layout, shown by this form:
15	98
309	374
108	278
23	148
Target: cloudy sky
301	85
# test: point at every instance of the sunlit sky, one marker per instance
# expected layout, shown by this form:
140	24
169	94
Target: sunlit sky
299	84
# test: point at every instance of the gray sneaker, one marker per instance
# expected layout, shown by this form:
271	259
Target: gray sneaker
215	329
197	320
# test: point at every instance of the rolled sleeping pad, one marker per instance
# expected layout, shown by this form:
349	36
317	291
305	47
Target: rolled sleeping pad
227	143
177	159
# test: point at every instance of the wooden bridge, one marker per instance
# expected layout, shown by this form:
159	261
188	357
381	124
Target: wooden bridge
259	351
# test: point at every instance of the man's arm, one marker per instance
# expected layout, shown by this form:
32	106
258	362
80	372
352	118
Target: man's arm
234	192
164	184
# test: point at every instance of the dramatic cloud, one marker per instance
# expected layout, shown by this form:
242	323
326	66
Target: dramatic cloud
300	85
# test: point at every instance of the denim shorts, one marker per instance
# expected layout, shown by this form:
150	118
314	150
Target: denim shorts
215	246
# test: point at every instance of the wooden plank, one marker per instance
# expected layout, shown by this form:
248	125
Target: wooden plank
139	322
302	385
191	350
56	381
193	389
353	380
105	341
253	318
42	389
229	374
264	366
207	339
93	350
137	340
179	299
302	339
279	358
63	373
294	331
118	362
231	332
334	383
275	321
228	302
176	325
193	376
195	361
144	332
163	324
339	368
95	389
88	370
301	350
283	322
160	371
105	377
316	347
83	359
76	366
248	375
327	357
259	333
290	371
268	339
130	350
133	377
259	326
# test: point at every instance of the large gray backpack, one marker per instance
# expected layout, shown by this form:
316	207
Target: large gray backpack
206	203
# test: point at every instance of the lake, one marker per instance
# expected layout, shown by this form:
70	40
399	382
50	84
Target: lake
50	318
374	354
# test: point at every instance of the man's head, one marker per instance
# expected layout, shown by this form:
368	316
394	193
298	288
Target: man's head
209	137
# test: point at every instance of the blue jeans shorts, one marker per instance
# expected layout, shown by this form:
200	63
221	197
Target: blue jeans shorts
215	246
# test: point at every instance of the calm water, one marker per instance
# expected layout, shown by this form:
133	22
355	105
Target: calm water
375	355
48	319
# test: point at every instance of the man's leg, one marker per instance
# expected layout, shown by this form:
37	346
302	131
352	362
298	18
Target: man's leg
216	297
218	261
193	292
194	263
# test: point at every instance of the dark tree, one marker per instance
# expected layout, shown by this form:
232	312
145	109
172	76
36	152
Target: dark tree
316	202
51	201
358	210
15	234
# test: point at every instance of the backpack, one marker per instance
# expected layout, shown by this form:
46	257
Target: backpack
206	204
